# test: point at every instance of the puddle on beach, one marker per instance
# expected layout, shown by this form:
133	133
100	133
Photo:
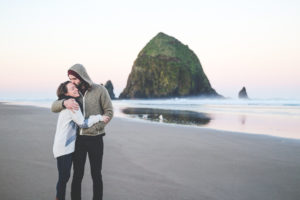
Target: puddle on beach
168	116
280	126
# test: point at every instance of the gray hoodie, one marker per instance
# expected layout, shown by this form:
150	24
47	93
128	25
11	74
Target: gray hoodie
96	100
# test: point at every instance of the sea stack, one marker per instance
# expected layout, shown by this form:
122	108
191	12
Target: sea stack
110	88
167	68
243	94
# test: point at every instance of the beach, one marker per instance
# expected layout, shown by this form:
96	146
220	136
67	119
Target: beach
145	161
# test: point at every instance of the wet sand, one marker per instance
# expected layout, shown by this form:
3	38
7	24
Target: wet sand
145	160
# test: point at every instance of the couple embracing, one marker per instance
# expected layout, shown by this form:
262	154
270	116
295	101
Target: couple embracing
84	110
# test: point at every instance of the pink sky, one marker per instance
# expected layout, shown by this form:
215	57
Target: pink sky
252	44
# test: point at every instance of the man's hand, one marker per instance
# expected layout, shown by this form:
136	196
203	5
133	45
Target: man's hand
105	119
71	104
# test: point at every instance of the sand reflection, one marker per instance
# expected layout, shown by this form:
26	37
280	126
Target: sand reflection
169	116
243	119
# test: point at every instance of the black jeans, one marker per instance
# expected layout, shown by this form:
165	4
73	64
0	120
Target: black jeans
93	147
64	164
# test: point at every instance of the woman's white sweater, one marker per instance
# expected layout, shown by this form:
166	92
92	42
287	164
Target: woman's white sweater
65	136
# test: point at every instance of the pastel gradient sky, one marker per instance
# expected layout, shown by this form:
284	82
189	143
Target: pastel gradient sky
239	43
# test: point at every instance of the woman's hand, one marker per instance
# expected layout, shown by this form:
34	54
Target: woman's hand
105	119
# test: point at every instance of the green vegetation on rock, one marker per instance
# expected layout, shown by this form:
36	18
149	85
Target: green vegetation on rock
167	68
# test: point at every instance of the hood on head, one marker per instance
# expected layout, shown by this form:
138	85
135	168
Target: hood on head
80	70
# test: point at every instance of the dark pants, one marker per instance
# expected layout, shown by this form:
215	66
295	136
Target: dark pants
93	147
64	164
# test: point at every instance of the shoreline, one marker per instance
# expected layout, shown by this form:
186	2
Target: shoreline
140	120
148	161
251	134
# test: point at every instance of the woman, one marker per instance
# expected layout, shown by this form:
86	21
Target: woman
65	136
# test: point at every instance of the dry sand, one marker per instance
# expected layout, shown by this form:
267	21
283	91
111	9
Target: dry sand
150	161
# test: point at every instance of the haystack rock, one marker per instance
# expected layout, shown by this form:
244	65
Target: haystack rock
243	94
167	68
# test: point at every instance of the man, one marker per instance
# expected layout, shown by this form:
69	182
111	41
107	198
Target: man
94	100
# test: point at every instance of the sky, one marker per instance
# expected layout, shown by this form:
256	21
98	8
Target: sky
239	43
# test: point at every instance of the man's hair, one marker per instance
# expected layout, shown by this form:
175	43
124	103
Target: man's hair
62	90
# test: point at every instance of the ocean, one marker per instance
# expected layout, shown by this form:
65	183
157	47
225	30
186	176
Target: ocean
271	117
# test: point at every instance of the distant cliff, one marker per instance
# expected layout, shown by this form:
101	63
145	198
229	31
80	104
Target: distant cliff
110	88
167	68
243	94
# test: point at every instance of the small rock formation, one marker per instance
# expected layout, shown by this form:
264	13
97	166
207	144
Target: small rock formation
167	68
243	94
110	88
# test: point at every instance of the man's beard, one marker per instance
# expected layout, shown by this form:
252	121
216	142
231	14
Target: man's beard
82	86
